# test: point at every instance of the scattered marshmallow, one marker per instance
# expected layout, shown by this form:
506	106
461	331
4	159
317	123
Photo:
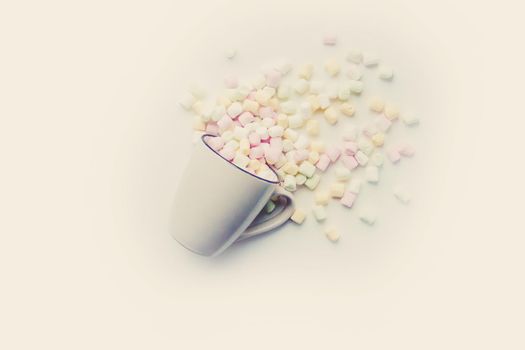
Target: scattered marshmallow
322	197
401	194
354	56
376	104
329	40
332	234
298	216
367	216
319	212
370	59
332	67
337	190
312	182
385	72
230	54
409	119
372	174
342	174
187	101
348	199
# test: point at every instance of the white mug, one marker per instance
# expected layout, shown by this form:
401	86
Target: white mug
218	203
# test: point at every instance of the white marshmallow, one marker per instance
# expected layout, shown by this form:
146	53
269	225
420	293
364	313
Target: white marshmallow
401	194
295	121
356	86
276	131
288	107
342	173
187	101
354	186
332	234
367	216
319	212
370	59
289	183
372	174
284	92
385	72
354	56
301	86
409	119
307	169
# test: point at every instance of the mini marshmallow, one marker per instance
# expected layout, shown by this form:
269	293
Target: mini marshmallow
227	135
354	186
347	109
406	150
277	142
284	91
282	120
287	145
291	168
319	213
271	155
312	127
281	162
231	82
187	101
377	159
367	216
365	145
305	109
337	190
284	67
240	133
318	146
312	182
313	100
298	216
232	144
246	118
401	194
331	115
305	71
300	179
333	153
378	139
276	131
393	154
354	73
348	199
307	169
241	160
342	174
254	164
230	53
323	162
332	234
227	153
250	106
372	174
317	87
313	157
356	86
290	134
349	162
254	139
268	91
391	112
224	101
350	133
295	121
344	92
216	143
385	72
234	109
289	183
322	197
266	113
324	101
370	59
329	40
409	119
361	158
288	107
262	132
376	104
244	146
302	143
198	124
269	207
301	86
332	67
273	78
225	123
354	56
350	148
370	129
383	123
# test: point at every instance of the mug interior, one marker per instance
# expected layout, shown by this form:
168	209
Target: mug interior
276	181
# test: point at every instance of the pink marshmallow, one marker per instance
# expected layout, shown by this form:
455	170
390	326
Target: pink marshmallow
272	155
254	139
348	199
251	96
276	142
301	155
329	40
256	152
406	150
323	162
349	162
216	143
246	118
383	123
225	123
212	128
266	112
350	148
370	130
333	153
273	78
393	154
231	82
227	153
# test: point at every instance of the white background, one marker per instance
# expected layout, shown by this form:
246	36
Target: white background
92	143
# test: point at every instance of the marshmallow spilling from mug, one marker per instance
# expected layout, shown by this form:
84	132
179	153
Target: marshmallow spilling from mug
271	128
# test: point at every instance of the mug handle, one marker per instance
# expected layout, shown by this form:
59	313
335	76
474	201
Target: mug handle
265	222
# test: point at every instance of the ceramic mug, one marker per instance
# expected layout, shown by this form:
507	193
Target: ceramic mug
218	203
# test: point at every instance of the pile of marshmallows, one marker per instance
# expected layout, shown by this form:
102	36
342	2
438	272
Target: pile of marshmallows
259	127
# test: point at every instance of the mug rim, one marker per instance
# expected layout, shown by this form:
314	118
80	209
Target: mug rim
276	182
